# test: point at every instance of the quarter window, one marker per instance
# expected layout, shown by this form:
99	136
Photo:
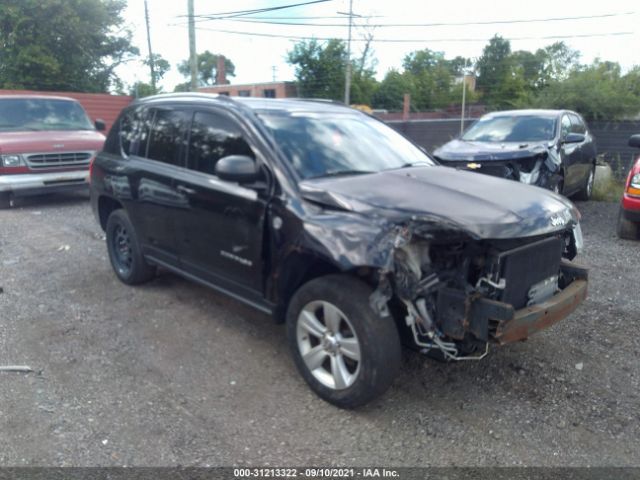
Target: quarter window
134	130
212	137
167	137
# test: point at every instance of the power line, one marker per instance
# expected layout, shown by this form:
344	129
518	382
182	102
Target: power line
417	40
438	24
240	13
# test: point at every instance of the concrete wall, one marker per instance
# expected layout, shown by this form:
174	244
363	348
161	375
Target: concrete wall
611	138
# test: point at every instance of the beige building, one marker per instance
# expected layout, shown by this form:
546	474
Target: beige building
263	90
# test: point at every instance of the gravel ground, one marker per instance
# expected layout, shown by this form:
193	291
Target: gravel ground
171	373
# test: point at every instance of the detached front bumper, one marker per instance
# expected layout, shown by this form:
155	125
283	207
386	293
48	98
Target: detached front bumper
23	184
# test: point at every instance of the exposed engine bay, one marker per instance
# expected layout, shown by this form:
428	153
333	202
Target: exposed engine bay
459	295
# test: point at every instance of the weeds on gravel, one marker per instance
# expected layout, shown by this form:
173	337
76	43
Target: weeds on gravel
609	190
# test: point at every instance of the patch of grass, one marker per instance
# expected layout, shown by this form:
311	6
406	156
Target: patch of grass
609	190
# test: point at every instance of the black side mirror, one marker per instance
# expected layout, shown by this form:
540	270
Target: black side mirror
634	141
237	168
574	138
100	125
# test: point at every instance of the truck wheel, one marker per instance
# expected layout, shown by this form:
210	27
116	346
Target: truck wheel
626	229
346	352
587	190
124	250
5	200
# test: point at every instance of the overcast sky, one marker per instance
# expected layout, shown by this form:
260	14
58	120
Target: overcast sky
617	27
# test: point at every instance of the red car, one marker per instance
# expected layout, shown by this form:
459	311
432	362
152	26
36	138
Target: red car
46	145
629	216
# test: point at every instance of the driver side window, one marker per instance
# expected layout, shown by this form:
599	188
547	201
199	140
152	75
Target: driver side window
212	137
565	127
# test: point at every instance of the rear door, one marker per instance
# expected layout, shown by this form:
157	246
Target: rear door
157	156
221	231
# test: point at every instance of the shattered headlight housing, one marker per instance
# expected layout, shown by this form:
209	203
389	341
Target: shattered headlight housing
11	160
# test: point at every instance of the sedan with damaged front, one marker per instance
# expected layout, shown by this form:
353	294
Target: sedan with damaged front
332	222
552	149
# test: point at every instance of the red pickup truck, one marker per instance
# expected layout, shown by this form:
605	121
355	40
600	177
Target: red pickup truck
629	216
46	144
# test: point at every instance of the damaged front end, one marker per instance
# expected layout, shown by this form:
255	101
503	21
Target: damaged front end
458	294
532	165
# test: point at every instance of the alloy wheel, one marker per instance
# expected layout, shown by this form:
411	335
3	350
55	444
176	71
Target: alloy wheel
328	345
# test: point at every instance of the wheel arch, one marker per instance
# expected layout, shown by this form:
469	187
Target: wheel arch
299	268
106	205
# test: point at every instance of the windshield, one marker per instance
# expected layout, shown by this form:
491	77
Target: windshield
319	145
516	128
35	114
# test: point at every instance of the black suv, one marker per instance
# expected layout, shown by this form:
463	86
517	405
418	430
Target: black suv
325	218
552	149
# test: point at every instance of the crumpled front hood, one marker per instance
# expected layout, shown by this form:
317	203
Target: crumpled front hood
460	150
50	141
479	205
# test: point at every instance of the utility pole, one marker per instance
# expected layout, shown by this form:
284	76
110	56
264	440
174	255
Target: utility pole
193	56
151	59
347	76
273	73
464	95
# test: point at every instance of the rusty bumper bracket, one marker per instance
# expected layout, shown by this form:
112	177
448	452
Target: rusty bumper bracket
529	320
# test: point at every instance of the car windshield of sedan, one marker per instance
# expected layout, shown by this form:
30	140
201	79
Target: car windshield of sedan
36	114
516	128
322	145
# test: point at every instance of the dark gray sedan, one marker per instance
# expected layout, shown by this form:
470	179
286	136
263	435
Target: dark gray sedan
548	148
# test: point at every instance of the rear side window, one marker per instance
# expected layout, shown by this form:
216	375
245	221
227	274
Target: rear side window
212	137
166	137
129	135
577	125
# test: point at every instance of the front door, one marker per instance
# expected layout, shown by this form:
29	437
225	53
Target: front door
221	234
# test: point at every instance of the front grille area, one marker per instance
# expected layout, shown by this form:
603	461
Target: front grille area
492	168
525	266
58	160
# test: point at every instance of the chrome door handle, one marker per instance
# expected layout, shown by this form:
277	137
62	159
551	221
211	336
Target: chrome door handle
185	190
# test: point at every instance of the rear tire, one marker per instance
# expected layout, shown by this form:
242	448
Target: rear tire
346	353
587	190
626	229
126	257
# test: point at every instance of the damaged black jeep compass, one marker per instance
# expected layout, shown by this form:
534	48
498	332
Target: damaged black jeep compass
331	221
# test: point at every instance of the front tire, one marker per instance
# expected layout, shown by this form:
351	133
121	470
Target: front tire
126	257
345	352
587	190
626	229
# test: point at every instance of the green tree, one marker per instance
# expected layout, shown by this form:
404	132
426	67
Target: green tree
319	68
597	91
390	92
160	65
68	45
501	80
207	68
558	61
144	89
